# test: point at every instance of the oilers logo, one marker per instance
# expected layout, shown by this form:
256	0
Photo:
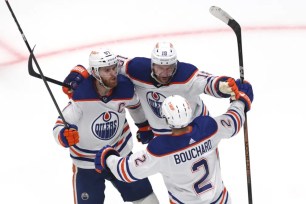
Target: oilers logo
105	126
155	101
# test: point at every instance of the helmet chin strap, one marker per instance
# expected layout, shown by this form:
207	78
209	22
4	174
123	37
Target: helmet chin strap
102	84
100	80
106	87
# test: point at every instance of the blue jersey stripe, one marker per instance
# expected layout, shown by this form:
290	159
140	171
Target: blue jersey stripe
128	170
118	169
125	142
82	158
235	123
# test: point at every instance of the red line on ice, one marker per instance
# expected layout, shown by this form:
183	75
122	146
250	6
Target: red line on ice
21	57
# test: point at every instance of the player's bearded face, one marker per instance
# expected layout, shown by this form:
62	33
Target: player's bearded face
163	73
109	75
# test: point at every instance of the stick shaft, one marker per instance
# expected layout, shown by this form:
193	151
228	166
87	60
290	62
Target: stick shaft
38	67
226	18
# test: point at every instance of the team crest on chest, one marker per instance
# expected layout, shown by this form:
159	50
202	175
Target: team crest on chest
155	101
105	126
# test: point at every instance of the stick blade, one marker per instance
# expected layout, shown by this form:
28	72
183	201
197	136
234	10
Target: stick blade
220	14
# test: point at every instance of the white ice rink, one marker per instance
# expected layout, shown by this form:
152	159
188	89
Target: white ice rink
34	169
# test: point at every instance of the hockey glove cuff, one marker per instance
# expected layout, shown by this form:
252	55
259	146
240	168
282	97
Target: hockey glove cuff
227	87
102	155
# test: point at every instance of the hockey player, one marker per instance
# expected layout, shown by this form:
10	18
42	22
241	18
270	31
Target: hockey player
187	158
159	77
96	117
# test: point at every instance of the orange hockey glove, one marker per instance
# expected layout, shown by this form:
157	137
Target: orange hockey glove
69	136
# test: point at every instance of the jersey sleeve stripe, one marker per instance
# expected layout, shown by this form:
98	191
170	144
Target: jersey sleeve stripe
118	169
82	158
123	172
212	86
58	125
127	138
85	150
159	132
126	127
129	172
223	197
204	110
237	117
235	122
59	122
82	154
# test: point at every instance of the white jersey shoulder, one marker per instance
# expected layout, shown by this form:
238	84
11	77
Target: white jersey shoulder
188	163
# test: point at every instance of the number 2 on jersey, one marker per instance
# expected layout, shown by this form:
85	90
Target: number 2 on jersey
199	185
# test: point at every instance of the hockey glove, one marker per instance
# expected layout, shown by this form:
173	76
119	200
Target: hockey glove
245	94
100	161
74	79
228	87
144	133
69	136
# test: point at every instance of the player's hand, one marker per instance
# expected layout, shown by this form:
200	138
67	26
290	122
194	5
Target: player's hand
228	87
74	79
144	133
100	161
245	93
69	136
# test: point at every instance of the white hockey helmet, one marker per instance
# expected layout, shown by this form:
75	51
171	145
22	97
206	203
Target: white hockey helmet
177	111
99	59
163	54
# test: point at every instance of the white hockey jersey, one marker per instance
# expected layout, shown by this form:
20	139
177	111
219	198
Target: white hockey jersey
189	163
100	121
187	81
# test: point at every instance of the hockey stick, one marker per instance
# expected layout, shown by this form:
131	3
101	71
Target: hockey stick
226	18
30	69
49	90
